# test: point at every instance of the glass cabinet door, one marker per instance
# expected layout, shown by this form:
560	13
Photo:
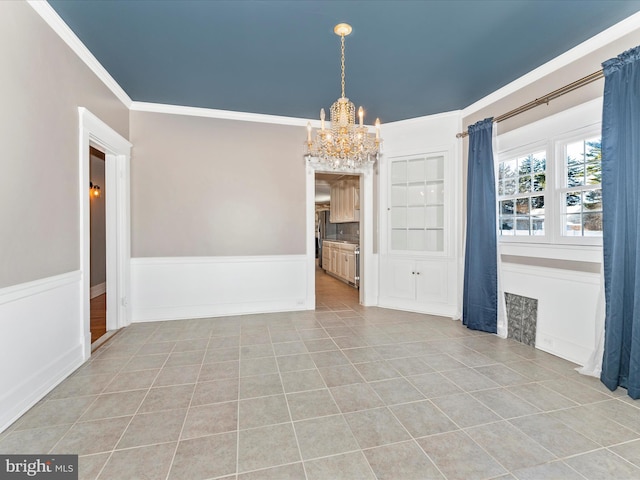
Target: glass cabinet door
417	203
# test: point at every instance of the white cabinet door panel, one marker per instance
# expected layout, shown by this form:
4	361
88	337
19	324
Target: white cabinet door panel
398	279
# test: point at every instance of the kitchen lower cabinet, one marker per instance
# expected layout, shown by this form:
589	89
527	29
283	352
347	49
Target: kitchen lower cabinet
342	260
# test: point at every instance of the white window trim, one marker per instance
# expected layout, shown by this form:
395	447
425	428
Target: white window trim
551	134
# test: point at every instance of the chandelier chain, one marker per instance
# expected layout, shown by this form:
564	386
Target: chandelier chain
342	64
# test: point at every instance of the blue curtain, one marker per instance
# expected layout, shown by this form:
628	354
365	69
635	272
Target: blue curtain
480	294
621	221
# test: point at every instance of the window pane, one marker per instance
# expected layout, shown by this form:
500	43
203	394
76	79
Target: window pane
575	175
399	217
501	187
593	173
416	240
524	165
509	187
506	225
416	170
539	162
573	225
415	195
415	217
398	195
399	239
506	207
510	168
537	225
592	224
537	205
398	172
522	206
573	200
501	170
435	240
522	226
434	168
575	152
539	182
434	216
524	184
593	199
593	150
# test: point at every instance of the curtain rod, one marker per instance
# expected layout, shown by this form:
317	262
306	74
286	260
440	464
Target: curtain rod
545	99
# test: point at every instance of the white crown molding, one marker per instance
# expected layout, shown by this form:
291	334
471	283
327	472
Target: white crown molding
226	114
50	16
609	35
221	114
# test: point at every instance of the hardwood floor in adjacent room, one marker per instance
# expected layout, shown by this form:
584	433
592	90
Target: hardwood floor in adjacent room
98	316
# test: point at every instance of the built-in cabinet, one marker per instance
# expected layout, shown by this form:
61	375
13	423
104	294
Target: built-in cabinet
345	201
419	281
339	259
418	262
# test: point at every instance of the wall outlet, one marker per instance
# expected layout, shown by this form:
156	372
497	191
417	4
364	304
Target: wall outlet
547	341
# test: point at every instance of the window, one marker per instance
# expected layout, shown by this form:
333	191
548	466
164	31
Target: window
549	180
582	192
521	186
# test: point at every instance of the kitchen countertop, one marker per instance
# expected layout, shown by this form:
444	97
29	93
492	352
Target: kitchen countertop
340	241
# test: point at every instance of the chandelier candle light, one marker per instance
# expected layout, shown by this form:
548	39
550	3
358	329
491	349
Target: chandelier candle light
343	146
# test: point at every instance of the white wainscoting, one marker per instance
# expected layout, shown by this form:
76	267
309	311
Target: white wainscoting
41	340
174	288
566	307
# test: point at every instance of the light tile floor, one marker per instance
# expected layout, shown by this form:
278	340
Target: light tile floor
340	392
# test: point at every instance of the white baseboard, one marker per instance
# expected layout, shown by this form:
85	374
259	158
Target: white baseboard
561	347
174	288
41	341
440	310
22	397
98	290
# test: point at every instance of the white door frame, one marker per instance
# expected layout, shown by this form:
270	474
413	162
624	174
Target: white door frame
94	132
367	271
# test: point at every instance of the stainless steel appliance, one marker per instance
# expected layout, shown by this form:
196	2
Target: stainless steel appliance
321	233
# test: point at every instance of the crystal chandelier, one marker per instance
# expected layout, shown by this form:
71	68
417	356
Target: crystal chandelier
343	146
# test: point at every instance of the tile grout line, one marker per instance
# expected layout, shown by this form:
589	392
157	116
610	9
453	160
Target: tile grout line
186	415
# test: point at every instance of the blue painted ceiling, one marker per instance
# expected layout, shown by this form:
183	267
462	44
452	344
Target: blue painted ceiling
404	59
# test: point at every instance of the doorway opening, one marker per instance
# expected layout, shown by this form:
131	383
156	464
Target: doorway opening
97	245
337	213
117	152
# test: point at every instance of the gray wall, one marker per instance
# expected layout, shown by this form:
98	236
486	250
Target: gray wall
98	231
41	87
212	187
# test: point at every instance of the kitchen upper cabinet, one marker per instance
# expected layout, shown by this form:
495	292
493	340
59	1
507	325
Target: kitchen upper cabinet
345	201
